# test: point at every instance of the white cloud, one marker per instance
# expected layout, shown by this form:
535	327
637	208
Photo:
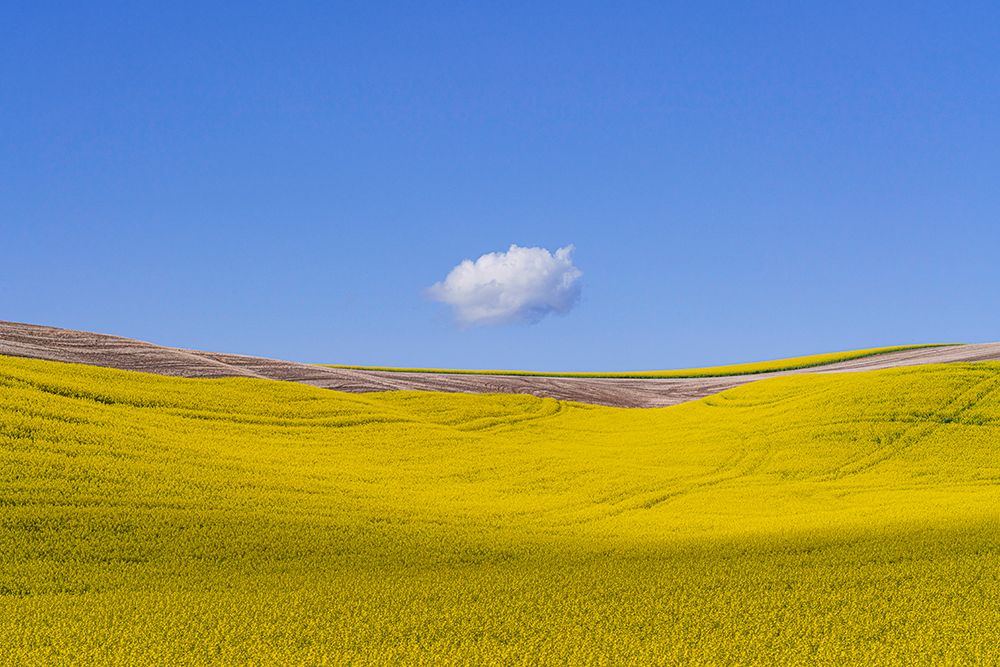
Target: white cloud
520	285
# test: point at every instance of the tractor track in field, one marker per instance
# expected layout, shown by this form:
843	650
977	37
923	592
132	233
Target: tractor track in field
81	347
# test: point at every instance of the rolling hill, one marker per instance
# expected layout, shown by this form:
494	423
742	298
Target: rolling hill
649	389
812	518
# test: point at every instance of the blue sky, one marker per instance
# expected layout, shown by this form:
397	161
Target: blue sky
740	181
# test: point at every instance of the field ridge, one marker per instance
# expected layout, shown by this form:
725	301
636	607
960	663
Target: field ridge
66	345
728	370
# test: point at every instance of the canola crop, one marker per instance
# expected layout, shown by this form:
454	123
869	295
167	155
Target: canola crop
754	368
807	519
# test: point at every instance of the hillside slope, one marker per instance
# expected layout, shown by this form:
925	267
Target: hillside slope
754	368
38	342
807	519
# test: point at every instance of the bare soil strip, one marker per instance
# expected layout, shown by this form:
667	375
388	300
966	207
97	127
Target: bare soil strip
81	347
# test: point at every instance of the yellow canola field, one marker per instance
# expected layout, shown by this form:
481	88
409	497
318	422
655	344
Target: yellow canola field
753	368
809	519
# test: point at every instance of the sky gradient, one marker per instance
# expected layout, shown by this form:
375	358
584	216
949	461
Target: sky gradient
741	181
